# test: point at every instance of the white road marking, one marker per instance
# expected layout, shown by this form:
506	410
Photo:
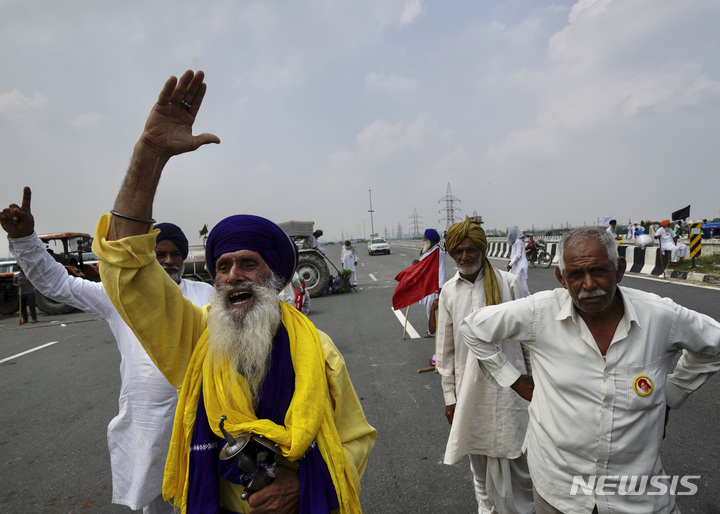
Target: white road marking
410	330
372	277
28	351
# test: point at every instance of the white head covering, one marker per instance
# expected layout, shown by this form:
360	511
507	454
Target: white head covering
513	234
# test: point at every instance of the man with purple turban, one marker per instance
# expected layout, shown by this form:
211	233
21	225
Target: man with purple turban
486	423
139	436
431	238
248	365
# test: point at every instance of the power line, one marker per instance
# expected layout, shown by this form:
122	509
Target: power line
450	209
415	224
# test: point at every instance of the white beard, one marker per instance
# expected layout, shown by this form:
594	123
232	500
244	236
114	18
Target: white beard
175	273
244	339
425	247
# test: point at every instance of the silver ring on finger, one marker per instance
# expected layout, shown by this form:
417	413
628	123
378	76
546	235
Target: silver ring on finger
185	104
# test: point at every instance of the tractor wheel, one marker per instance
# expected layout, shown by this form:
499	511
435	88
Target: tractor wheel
10	306
49	306
313	269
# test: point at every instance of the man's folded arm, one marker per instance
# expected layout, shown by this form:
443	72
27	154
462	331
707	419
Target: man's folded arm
484	327
699	336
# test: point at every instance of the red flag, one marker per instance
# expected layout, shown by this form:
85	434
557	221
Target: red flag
417	281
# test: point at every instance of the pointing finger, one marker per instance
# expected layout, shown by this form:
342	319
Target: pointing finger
26	199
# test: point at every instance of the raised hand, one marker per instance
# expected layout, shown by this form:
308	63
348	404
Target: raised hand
168	132
16	220
169	125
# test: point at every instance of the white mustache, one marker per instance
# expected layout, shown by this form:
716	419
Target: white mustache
591	294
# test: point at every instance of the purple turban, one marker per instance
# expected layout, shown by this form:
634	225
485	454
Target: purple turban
432	235
173	234
248	232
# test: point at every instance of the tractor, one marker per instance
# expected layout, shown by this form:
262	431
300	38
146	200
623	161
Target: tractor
72	250
312	267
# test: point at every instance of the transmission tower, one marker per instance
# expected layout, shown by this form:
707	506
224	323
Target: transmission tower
415	224
451	210
399	230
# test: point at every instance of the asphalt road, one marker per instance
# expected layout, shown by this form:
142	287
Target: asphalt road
58	400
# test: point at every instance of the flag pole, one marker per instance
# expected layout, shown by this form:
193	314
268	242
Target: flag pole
433	368
406	318
19	305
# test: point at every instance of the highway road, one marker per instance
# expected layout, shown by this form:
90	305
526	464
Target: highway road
60	384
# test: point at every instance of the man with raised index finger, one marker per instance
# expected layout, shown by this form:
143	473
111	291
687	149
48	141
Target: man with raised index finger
600	356
248	362
139	436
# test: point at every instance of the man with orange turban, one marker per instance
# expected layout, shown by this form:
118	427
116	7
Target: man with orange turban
668	242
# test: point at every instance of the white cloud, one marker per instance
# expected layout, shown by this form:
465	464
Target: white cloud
413	10
455	160
16	102
394	83
380	140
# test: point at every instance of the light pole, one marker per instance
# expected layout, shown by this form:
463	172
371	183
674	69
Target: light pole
372	226
363	222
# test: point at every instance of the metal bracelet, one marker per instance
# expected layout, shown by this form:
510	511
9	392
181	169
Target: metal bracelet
132	218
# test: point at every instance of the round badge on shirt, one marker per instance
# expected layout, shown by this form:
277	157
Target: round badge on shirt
643	385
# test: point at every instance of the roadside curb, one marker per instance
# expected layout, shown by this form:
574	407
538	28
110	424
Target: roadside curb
692	276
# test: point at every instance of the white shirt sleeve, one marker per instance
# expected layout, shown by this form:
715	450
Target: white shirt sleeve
480	330
52	279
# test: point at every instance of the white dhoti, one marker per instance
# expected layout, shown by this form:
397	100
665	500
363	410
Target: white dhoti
678	251
502	485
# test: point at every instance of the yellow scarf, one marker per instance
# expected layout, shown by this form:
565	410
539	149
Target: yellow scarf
225	392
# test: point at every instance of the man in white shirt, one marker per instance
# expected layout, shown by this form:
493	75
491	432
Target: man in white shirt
487	424
314	243
600	357
518	264
668	242
431	240
612	230
139	436
349	259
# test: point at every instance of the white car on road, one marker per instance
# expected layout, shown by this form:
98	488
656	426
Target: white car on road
378	245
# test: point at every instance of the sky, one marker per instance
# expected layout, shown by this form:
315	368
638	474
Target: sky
534	113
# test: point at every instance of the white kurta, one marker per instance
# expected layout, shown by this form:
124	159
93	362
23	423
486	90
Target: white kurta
489	423
519	264
488	420
348	257
442	276
667	242
139	436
